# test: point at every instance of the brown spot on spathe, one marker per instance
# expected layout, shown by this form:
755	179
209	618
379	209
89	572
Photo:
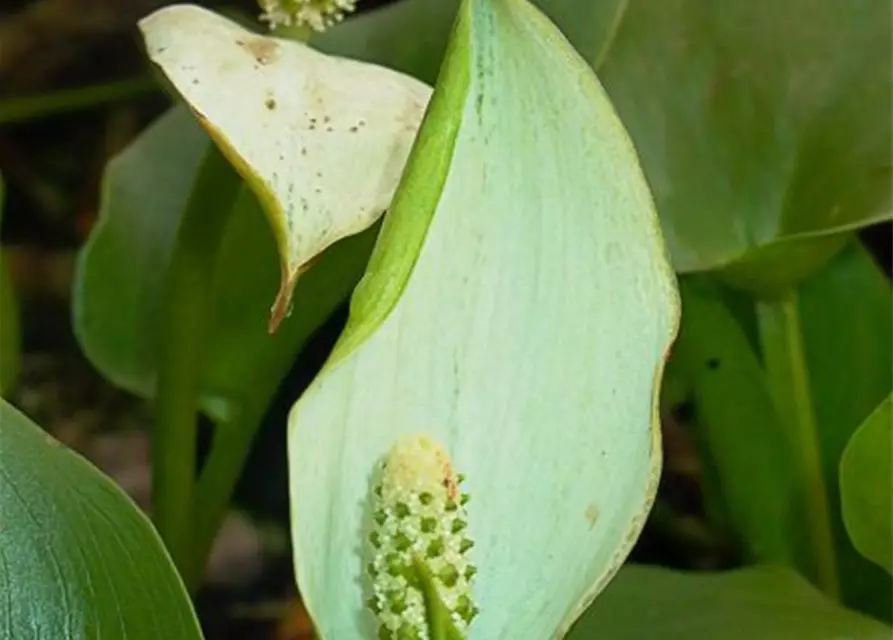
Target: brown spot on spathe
264	50
591	514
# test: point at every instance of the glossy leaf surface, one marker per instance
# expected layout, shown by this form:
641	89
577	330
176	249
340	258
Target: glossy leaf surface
78	560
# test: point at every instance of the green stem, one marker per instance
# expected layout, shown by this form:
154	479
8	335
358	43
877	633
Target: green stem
783	353
47	104
184	318
229	450
217	481
440	626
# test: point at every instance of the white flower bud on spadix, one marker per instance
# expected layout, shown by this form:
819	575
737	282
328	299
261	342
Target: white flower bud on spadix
316	14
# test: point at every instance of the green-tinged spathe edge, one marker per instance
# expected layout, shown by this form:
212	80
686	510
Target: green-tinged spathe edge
406	223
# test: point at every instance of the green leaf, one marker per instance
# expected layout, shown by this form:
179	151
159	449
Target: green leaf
743	449
757	123
865	472
119	278
517	309
10	338
769	603
322	141
846	312
843	316
763	128
78	559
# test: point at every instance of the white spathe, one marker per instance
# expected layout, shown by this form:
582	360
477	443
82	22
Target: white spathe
321	140
528	338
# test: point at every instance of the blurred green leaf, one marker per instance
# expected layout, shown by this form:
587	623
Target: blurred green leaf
78	560
765	603
763	128
845	318
846	313
743	447
758	123
119	278
866	470
10	338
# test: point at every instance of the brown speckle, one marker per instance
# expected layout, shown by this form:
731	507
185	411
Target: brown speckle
361	123
303	151
319	174
591	515
353	129
270	103
326	119
263	50
329	129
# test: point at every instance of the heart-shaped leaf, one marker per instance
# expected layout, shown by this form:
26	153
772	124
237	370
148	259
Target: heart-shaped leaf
321	140
769	603
120	275
866	469
78	559
517	310
764	128
757	122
